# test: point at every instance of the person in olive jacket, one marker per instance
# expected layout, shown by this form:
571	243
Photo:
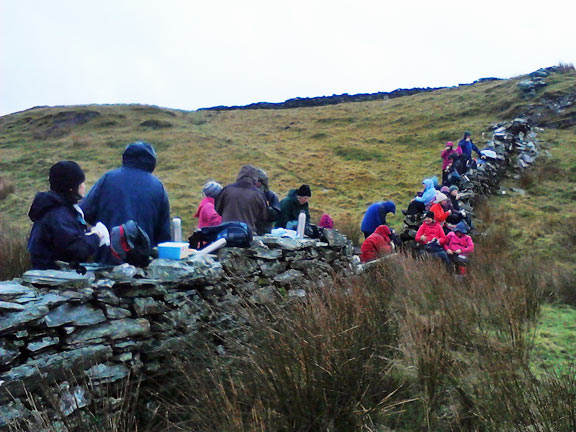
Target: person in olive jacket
292	205
60	232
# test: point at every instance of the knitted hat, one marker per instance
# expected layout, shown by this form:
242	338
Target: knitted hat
467	134
429	214
445	189
449	144
440	197
453	188
66	175
212	189
304	191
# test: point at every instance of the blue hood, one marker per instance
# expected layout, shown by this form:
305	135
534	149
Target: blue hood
44	202
389	207
140	155
462	227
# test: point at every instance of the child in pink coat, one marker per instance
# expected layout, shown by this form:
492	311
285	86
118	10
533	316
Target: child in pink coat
205	213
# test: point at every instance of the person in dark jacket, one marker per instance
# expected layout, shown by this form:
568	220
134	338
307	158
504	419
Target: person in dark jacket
60	232
272	204
292	205
131	192
243	201
467	146
376	215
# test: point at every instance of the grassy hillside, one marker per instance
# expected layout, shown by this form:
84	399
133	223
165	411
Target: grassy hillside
351	154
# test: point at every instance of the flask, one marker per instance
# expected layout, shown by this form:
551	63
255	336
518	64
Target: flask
176	229
301	224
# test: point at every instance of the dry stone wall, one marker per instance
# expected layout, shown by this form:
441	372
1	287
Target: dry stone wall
107	325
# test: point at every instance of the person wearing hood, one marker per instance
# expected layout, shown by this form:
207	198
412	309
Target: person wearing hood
459	245
290	207
467	146
272	204
377	244
423	200
243	201
60	232
205	213
446	161
376	215
131	192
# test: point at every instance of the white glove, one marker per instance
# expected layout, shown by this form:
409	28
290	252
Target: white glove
102	232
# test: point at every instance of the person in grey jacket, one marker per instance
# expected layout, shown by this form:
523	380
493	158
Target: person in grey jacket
243	201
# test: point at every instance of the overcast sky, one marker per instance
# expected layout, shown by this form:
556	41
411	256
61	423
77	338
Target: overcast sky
189	54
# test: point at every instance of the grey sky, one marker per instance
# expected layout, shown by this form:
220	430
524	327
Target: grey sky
192	54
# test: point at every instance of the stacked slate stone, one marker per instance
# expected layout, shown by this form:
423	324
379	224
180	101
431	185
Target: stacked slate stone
59	327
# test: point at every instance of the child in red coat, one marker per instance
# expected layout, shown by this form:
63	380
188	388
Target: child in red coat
377	244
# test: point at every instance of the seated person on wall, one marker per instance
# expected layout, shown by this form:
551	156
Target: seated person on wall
459	245
205	213
60	232
377	244
376	215
272	204
292	205
431	236
421	202
326	222
243	201
439	208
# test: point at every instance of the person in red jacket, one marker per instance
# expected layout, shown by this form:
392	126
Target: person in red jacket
431	236
377	244
440	214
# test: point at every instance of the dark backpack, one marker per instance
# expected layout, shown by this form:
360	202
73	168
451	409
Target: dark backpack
130	244
237	234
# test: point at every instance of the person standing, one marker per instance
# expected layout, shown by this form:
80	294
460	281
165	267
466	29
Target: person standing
272	204
446	161
467	146
376	215
243	201
60	232
131	192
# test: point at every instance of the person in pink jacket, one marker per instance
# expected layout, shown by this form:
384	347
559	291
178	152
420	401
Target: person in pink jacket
206	214
459	245
446	161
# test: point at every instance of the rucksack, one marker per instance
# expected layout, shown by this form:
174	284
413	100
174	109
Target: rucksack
130	244
237	234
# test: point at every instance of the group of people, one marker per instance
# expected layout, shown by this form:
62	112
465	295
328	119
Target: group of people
445	227
130	201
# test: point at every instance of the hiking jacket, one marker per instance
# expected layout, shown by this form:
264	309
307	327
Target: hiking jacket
376	215
206	214
377	244
242	201
429	193
445	155
431	231
58	233
467	147
440	214
131	192
453	243
290	209
272	211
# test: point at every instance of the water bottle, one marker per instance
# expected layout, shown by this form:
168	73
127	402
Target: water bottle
301	224
176	229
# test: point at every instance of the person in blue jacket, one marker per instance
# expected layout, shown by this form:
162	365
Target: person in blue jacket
60	232
376	215
466	146
131	192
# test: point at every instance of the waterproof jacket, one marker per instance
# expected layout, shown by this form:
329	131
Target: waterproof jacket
377	244
290	209
272	211
429	193
131	192
242	201
464	243
467	147
376	215
445	155
206	214
58	233
439	214
431	231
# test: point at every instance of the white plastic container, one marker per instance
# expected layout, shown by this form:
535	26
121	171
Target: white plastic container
301	225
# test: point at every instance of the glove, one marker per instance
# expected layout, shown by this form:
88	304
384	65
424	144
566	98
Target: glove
102	232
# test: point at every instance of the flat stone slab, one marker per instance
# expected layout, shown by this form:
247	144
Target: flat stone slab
58	278
16	320
111	330
77	315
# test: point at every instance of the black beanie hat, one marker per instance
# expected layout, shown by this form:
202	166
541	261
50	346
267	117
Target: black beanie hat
66	175
304	191
429	214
